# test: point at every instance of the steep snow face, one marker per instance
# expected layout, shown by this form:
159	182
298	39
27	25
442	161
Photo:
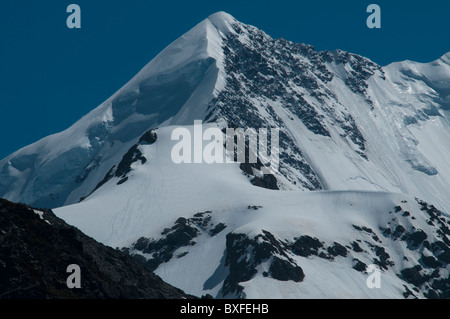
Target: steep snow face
411	112
204	228
175	87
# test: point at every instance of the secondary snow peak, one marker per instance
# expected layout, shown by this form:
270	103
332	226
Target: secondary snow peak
446	58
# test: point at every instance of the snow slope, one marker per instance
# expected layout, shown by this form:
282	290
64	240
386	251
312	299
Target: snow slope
195	223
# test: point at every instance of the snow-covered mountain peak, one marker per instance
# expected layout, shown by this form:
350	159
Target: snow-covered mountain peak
175	87
332	109
360	147
201	42
223	21
191	46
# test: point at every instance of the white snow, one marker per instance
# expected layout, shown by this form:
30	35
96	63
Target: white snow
94	139
41	215
407	133
159	192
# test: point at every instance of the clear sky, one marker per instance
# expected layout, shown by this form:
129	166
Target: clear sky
50	75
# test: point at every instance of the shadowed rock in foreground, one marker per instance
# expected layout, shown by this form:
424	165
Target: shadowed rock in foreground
36	248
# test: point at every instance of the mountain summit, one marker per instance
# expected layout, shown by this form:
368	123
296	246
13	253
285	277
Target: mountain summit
363	170
334	109
174	88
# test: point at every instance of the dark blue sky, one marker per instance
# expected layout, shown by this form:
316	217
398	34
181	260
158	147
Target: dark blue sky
50	75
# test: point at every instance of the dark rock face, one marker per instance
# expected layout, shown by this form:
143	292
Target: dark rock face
133	155
429	274
264	72
361	69
35	252
181	234
245	256
337	250
217	229
284	270
306	246
268	181
359	265
240	269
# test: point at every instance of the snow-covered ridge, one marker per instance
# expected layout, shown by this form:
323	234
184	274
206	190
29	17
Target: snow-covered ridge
333	109
190	66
